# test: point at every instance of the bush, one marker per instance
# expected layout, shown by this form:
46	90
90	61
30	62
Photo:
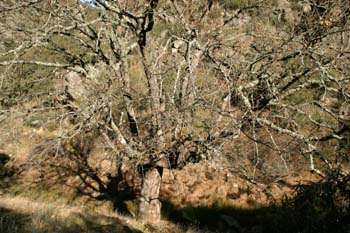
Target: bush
320	207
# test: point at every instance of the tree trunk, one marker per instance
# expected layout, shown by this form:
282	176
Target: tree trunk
149	209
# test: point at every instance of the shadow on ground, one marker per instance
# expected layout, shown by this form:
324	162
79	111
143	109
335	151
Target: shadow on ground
322	207
12	222
318	208
6	172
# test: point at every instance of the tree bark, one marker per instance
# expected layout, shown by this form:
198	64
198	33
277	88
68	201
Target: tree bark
150	206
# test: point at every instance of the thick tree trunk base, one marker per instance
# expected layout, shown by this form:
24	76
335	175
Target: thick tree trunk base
149	212
150	206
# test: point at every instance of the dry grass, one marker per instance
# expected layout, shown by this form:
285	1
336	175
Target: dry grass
36	216
21	214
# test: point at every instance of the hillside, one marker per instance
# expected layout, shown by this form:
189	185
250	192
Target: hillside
174	116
